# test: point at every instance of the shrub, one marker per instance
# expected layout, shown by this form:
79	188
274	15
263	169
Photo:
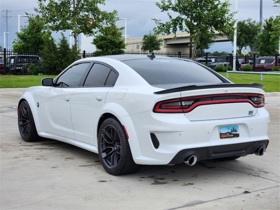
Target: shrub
247	67
229	68
34	70
275	68
220	68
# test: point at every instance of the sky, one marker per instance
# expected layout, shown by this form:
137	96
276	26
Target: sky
138	13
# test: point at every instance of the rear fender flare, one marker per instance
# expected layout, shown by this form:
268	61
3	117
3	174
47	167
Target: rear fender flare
123	117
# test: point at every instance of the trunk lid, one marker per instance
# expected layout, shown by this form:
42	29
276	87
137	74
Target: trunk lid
217	102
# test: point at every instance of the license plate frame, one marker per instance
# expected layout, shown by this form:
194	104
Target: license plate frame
229	131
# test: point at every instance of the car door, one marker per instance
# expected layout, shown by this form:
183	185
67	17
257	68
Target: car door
56	102
87	103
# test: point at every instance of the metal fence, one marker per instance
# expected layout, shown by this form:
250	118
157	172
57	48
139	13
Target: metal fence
257	62
15	63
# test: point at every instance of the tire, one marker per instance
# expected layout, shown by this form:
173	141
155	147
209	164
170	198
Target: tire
114	151
26	125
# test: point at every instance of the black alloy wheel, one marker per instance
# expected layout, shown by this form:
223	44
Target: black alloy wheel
26	123
114	150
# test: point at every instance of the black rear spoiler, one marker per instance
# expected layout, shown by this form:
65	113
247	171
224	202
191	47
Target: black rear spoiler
196	87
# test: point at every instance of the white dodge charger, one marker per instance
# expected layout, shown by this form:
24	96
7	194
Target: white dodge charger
146	110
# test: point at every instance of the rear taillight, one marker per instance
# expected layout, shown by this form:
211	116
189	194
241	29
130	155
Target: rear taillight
258	100
187	104
172	106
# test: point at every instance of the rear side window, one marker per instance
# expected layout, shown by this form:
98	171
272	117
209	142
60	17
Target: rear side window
100	76
165	71
112	78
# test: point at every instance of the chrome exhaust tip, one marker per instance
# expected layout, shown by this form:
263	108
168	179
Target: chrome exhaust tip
191	160
260	151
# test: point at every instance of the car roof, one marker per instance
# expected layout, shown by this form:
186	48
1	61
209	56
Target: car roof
127	57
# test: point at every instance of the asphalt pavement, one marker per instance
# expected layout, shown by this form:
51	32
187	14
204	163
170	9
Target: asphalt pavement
53	175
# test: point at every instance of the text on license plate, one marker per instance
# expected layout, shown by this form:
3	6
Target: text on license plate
229	131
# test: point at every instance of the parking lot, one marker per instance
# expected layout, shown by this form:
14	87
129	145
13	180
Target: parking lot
53	175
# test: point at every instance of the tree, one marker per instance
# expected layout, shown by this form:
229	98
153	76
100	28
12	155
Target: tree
65	55
32	38
56	57
79	16
202	19
109	41
247	34
275	34
49	57
151	43
269	38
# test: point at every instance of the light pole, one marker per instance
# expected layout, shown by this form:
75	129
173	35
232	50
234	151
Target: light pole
235	39
261	14
19	21
279	46
4	35
278	5
125	28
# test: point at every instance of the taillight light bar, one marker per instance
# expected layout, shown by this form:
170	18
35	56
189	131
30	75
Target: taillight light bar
187	104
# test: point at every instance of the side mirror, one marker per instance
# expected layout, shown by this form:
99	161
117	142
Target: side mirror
47	82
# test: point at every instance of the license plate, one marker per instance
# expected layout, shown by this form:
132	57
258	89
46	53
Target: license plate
229	131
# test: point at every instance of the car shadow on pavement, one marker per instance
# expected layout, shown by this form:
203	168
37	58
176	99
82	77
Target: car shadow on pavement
181	174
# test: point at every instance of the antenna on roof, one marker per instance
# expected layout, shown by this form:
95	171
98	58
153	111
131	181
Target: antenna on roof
151	55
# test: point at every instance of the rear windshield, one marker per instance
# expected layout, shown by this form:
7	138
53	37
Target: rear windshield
175	72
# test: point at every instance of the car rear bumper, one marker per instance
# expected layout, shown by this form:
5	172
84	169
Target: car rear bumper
170	139
223	151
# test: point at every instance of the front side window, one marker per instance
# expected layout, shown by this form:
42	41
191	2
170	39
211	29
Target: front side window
73	76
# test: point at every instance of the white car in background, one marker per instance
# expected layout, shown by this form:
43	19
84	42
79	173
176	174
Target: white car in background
144	110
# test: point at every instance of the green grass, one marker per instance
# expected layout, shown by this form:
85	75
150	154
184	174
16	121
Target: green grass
21	81
271	82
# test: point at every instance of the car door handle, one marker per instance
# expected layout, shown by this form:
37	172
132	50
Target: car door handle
67	99
99	98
